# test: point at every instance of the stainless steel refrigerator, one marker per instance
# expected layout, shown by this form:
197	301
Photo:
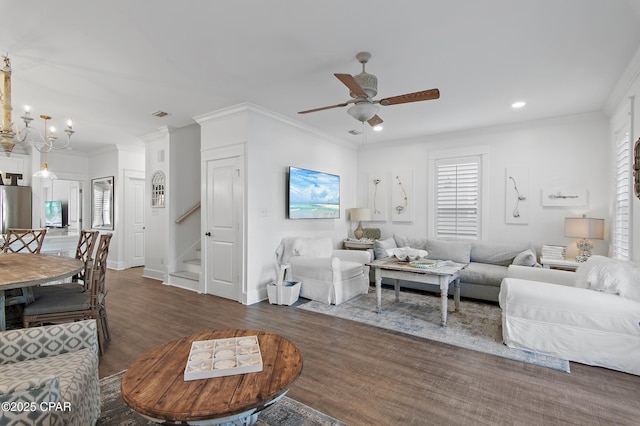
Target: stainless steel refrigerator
15	207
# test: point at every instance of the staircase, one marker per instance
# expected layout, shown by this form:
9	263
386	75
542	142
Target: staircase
188	276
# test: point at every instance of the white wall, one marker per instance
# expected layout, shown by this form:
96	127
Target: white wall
560	152
272	144
157	219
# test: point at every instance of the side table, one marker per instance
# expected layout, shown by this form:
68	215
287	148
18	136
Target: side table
568	264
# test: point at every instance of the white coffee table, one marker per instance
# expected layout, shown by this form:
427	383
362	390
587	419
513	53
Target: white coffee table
442	276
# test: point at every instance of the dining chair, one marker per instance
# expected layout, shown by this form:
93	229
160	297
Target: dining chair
17	241
84	251
61	307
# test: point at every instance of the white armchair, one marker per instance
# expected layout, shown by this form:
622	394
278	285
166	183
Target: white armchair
326	274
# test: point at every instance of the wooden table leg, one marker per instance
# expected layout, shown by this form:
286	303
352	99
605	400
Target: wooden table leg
3	321
444	290
396	287
456	293
378	275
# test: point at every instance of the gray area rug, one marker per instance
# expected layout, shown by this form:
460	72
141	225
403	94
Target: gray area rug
286	412
477	326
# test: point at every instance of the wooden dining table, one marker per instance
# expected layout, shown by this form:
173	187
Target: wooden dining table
25	270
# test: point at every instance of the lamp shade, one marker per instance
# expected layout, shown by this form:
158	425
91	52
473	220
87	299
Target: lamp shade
360	214
584	227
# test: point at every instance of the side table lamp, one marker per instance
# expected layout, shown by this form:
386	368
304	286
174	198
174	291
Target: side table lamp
359	214
584	228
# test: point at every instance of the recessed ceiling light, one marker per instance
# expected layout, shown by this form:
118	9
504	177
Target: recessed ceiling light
518	104
377	128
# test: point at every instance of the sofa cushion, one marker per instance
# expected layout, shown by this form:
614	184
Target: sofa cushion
496	253
458	251
416	243
484	274
525	258
313	247
380	247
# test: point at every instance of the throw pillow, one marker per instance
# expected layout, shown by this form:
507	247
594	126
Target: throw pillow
607	277
313	247
380	247
457	251
525	258
416	243
582	273
630	287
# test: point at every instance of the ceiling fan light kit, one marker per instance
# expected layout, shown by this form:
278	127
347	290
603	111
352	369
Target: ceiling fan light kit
363	88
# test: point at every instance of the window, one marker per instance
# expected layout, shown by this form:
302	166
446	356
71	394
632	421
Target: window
622	213
457	198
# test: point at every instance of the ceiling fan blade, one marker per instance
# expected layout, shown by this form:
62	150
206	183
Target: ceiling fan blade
352	84
323	108
374	121
425	95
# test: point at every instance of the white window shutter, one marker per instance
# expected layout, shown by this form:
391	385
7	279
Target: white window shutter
457	199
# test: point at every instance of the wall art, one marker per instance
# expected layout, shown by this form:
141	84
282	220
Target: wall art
517	195
378	202
564	197
402	200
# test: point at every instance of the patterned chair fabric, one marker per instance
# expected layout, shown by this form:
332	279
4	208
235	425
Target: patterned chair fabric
56	364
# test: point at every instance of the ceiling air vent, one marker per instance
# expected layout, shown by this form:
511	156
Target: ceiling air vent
160	114
355	132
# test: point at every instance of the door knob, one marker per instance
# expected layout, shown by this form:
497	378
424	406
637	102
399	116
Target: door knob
208	234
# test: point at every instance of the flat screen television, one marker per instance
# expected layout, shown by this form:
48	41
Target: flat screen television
313	195
53	214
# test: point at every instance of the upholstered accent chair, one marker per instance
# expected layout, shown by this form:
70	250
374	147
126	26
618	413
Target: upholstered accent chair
56	364
325	274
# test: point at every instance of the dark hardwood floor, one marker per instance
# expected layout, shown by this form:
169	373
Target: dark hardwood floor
364	375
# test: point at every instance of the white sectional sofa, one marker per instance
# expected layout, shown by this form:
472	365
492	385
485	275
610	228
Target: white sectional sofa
591	316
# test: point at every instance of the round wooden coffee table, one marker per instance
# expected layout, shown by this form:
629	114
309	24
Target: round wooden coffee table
154	385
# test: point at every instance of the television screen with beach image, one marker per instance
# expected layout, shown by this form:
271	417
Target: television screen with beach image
313	195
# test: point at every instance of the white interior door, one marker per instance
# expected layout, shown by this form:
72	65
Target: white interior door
134	218
223	218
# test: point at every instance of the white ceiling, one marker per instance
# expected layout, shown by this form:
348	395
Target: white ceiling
110	64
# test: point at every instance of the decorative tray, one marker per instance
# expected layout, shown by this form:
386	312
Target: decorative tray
223	357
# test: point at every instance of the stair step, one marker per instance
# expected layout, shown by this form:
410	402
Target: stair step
193	261
195	276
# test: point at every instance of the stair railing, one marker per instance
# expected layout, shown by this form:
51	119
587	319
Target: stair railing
188	213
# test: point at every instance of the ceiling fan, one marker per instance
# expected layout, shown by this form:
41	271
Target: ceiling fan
363	88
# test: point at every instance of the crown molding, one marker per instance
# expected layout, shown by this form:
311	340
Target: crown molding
629	77
248	108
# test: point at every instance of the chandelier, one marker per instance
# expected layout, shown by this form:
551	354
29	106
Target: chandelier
42	141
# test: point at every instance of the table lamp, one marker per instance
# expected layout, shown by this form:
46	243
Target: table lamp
359	214
584	228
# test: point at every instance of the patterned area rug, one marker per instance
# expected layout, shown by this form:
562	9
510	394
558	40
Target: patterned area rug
286	412
477	326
